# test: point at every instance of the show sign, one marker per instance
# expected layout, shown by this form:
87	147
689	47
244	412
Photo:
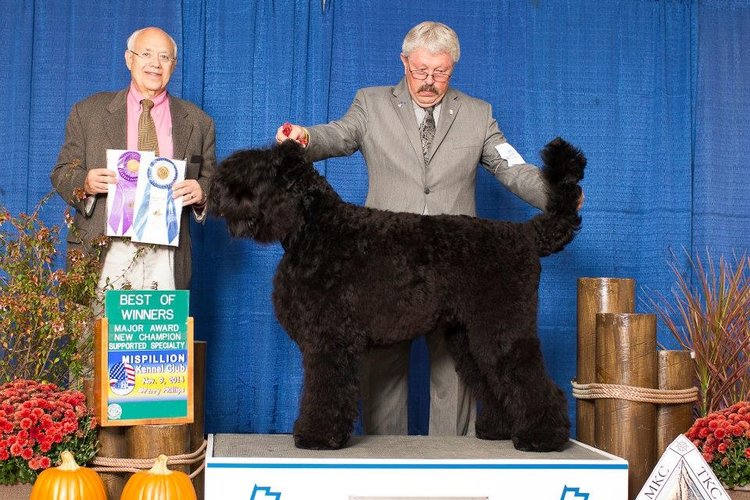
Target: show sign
144	358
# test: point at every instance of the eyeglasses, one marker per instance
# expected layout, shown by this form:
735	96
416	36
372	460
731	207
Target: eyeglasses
438	76
164	58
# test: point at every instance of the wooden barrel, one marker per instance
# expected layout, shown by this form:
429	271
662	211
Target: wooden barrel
595	295
626	355
676	371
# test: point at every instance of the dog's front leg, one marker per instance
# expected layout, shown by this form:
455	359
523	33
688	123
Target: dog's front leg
329	400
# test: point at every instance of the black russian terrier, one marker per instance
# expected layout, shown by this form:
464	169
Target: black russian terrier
353	277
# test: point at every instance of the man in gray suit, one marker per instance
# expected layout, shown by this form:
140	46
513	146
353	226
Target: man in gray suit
109	120
386	124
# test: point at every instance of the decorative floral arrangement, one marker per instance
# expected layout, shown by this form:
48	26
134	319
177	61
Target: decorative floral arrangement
38	422
724	439
46	312
707	315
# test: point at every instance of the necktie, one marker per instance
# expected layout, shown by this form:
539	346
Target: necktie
427	132
147	140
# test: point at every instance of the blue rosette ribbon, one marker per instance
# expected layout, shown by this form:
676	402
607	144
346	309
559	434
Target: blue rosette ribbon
162	174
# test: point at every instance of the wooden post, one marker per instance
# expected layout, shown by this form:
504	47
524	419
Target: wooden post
197	433
595	295
675	372
113	444
626	355
150	441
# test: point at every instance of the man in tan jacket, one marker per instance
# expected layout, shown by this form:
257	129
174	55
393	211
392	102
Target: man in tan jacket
109	120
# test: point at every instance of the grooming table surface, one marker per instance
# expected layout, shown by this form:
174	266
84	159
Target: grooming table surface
264	467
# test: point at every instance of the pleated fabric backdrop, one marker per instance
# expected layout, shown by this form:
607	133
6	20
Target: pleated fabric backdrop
654	91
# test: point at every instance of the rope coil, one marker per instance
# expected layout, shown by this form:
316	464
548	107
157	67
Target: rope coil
631	393
117	464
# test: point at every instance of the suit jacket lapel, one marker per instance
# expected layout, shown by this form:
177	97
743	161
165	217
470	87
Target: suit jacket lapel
181	128
115	123
405	110
448	112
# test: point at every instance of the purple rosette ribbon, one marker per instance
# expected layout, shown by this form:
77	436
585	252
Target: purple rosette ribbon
122	205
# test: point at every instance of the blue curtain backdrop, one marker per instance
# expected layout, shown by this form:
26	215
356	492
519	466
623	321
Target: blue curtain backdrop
656	93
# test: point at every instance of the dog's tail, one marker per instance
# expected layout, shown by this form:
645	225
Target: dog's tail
562	170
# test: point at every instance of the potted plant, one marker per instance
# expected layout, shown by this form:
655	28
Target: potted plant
708	314
723	437
38	421
46	311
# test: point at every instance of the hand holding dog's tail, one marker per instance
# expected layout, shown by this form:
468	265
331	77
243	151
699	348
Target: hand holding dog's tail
563	170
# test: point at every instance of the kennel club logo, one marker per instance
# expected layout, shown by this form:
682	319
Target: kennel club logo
264	493
569	493
122	378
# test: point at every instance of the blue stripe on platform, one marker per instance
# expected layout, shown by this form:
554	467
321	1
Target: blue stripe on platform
607	466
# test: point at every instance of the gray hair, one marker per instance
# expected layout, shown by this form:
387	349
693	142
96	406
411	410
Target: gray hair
131	38
433	36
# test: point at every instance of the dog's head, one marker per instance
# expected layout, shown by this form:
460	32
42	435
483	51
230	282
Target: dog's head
260	191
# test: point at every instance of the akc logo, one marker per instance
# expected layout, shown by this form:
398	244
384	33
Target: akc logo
264	493
573	493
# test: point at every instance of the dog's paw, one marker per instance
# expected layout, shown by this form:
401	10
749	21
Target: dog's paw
541	440
492	436
488	433
319	443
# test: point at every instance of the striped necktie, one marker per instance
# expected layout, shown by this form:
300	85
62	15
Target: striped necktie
147	140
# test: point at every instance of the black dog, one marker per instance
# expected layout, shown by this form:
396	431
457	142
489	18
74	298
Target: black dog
353	277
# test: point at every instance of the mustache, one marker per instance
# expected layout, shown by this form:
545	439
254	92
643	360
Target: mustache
428	88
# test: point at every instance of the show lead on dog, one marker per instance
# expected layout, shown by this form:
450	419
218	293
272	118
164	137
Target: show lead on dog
422	141
110	120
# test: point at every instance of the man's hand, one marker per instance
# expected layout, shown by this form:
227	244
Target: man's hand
294	132
98	180
191	192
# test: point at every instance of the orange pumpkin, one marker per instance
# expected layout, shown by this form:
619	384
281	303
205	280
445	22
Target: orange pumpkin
68	481
159	483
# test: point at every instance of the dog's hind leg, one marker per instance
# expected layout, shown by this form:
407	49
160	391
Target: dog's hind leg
492	422
329	400
537	406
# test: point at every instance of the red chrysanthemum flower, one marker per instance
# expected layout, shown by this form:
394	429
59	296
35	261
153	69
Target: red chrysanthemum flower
723	438
39	421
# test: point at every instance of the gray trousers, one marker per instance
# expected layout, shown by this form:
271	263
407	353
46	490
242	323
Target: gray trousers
384	391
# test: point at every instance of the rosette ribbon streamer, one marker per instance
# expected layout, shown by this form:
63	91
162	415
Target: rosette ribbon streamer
162	174
122	205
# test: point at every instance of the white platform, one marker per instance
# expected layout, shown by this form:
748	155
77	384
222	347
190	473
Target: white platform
265	467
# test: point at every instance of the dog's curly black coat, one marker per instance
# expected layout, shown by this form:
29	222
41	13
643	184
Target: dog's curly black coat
353	277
